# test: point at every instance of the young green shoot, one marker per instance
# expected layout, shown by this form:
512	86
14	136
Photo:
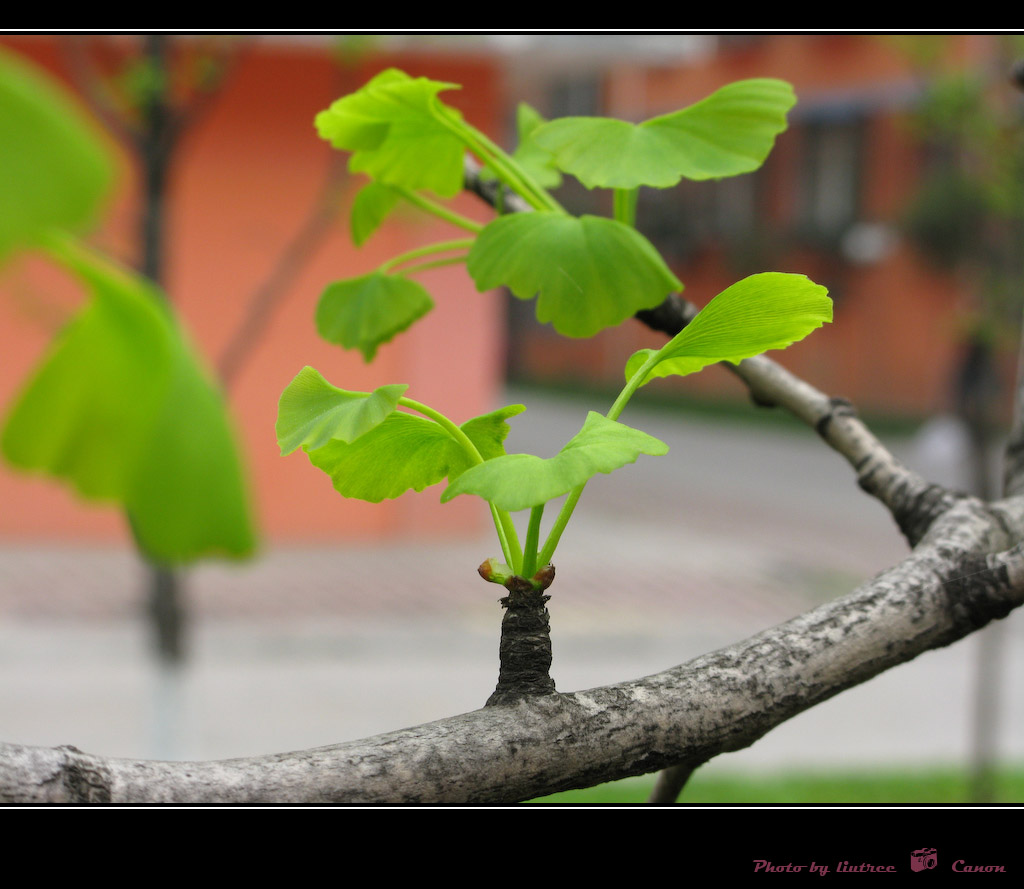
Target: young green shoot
585	273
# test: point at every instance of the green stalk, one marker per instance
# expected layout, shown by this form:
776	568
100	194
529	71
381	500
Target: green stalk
499	527
530	548
437	263
430	249
428	206
634	383
506	160
514	555
503	164
503	525
555	534
625	205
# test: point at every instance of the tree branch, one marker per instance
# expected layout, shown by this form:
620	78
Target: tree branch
967	571
92	86
669	784
260	309
913	501
1013	471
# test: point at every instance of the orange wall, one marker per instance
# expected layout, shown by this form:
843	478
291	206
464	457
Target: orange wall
243	183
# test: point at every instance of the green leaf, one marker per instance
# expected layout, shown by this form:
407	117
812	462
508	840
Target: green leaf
312	412
767	311
590	272
406	452
54	169
366	312
728	133
87	411
489	431
369	209
188	497
399	132
537	161
522	481
121	410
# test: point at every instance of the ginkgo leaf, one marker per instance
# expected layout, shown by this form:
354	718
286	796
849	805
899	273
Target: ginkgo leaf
587	273
728	133
522	481
398	132
370	208
121	409
86	412
767	311
537	161
407	453
189	497
312	412
365	312
54	168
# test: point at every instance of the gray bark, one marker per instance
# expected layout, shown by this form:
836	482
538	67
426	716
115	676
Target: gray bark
967	571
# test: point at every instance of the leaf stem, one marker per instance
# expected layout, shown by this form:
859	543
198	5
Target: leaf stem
428	250
499	527
532	539
506	168
634	383
437	263
528	182
428	206
625	205
503	525
555	534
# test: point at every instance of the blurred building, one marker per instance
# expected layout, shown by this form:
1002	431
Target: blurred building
827	204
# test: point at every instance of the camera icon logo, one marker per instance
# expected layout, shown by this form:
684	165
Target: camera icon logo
924	859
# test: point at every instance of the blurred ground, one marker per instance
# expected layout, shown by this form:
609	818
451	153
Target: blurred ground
740	528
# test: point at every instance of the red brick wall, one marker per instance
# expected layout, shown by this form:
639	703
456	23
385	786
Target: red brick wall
244	180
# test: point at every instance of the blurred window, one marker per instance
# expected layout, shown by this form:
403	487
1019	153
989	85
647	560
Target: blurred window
830	174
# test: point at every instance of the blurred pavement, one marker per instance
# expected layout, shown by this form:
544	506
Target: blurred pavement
741	527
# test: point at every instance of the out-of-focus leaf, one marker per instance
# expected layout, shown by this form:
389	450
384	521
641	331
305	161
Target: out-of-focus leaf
87	411
121	409
54	169
522	481
188	497
590	273
369	209
366	312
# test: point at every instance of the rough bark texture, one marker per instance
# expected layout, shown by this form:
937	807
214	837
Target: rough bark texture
525	649
720	702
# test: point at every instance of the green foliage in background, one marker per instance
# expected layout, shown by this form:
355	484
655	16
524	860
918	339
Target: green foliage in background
120	407
881	786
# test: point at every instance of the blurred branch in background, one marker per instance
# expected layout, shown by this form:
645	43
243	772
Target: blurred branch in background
967	219
148	91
